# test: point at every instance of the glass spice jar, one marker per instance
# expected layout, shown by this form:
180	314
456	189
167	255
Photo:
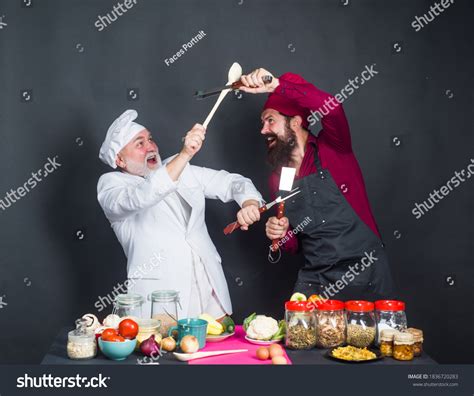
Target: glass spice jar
361	326
386	341
300	320
403	346
81	343
418	338
390	314
330	323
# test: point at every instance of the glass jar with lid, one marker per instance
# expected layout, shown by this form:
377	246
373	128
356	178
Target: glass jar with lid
330	323
403	346
128	305
418	339
361	327
390	314
300	320
81	343
164	307
386	341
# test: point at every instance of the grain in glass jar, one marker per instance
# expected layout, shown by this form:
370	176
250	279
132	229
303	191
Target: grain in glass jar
361	327
386	341
418	338
300	320
330	323
403	346
81	343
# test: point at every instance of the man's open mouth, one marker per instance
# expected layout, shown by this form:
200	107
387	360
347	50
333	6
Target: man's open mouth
152	159
270	140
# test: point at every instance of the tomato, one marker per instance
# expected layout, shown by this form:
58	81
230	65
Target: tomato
128	328
115	338
108	333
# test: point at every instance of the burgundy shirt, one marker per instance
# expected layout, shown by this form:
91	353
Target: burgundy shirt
335	151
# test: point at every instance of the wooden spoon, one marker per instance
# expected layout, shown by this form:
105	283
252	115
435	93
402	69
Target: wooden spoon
235	72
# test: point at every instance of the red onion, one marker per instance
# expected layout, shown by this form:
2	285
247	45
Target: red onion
150	347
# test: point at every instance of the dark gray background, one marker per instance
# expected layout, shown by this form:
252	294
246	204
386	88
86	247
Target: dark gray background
77	94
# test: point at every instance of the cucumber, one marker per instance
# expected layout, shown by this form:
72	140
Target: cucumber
229	325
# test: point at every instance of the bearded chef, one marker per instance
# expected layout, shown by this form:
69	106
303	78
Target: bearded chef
344	256
157	209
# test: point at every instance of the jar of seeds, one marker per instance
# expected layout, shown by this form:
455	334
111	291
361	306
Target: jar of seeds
330	323
361	327
300	325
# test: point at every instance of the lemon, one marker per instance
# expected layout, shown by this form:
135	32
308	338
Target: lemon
298	297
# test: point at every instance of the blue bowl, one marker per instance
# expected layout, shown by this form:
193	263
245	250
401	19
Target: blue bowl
117	350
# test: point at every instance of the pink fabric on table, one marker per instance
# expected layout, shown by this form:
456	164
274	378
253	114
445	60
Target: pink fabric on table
237	341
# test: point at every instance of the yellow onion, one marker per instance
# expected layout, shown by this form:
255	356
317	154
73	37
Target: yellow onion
168	344
189	344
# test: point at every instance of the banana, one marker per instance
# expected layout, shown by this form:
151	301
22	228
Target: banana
213	326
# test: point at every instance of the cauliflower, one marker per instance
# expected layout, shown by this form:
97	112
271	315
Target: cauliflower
262	328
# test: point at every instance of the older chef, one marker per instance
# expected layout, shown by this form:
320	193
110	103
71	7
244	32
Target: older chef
158	208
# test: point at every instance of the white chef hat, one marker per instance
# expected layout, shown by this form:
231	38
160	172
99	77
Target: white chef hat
119	134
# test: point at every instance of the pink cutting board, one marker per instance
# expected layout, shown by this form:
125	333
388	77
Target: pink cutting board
237	341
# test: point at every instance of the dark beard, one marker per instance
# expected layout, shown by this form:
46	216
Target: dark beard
280	154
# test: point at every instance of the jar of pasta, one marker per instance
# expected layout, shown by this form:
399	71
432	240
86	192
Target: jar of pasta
330	323
418	338
386	341
403	346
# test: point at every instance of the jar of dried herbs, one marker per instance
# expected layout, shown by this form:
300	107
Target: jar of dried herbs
403	346
300	325
361	328
418	338
386	341
330	323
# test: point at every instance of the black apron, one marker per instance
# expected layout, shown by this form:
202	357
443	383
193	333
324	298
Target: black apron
338	247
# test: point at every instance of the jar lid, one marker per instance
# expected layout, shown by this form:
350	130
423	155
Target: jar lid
79	337
129	299
416	333
165	295
329	305
403	338
389	305
306	306
359	306
387	334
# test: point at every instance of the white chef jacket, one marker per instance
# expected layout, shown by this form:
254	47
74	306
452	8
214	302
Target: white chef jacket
149	220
